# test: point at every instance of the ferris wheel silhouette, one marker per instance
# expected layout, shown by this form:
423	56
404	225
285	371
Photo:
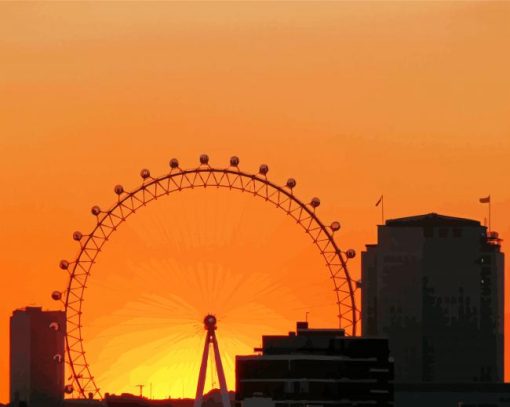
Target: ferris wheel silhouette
82	383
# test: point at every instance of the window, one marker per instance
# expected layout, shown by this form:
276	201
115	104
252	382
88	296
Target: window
304	387
428	231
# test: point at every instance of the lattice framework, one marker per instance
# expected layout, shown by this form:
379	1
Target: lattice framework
177	180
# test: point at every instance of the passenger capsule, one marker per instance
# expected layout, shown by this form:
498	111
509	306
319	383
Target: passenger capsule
315	202
204	159
264	169
291	183
54	326
145	173
56	295
234	161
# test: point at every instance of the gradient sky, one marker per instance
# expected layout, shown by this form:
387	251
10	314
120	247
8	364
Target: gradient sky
352	99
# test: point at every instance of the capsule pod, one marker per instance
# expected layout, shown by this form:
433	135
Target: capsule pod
204	159
56	295
291	183
234	161
145	173
335	226
315	202
54	326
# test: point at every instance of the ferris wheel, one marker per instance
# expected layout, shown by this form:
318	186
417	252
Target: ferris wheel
82	383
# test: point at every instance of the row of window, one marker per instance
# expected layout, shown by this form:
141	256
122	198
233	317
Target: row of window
442	232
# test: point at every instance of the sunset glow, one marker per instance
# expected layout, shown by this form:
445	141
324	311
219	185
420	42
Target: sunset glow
409	99
187	255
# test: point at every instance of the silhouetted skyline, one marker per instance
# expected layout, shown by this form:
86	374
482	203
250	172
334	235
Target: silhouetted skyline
353	100
434	286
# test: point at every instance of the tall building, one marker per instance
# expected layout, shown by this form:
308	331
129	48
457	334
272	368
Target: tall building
37	357
316	367
434	286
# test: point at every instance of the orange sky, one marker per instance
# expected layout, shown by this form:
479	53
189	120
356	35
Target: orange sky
352	99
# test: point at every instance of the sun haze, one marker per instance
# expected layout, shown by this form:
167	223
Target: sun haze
409	99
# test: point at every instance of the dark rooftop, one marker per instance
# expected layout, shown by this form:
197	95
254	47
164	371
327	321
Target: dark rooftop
332	342
431	219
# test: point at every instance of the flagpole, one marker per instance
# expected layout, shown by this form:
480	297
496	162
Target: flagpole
489	214
487	200
382	209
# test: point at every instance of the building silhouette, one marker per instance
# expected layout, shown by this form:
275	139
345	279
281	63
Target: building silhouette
452	394
316	367
434	286
211	399
37	357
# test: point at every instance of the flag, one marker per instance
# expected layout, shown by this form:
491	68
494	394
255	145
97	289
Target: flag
487	199
379	201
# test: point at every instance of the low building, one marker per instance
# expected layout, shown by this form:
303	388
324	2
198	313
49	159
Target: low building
211	399
317	367
37	357
452	394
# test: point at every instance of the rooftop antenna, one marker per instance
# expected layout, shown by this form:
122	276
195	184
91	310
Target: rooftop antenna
210	339
306	316
140	386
